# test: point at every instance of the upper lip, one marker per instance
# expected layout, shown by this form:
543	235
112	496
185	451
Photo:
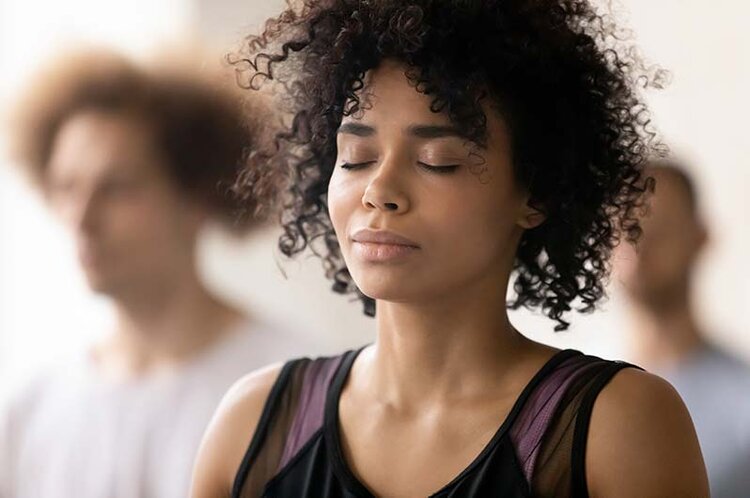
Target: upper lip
381	237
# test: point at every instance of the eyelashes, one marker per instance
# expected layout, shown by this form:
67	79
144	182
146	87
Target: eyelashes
442	169
432	168
356	166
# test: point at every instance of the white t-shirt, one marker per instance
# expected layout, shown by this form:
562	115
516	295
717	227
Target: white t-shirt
71	434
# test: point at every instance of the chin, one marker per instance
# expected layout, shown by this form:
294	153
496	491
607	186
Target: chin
99	283
401	289
385	289
98	287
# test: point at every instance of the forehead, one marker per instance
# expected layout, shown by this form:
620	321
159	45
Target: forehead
390	103
94	143
390	97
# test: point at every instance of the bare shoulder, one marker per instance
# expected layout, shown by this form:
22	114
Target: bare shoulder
642	442
230	431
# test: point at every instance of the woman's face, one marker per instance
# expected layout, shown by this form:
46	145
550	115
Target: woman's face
421	213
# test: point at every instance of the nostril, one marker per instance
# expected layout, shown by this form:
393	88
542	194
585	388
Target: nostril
391	206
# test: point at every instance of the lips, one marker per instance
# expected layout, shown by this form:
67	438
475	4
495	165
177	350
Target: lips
380	246
368	236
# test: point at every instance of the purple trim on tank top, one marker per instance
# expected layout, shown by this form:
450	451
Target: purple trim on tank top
311	408
533	421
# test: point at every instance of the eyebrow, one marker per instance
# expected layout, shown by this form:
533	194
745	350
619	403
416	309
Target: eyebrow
357	129
419	131
433	131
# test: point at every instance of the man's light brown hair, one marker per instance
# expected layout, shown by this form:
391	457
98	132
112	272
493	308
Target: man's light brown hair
201	129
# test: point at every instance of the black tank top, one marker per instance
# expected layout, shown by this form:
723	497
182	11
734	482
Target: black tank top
538	451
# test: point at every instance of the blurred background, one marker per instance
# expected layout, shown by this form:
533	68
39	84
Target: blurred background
47	312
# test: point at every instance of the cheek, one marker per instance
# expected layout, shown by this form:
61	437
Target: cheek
474	228
148	220
674	258
344	197
660	259
458	221
480	213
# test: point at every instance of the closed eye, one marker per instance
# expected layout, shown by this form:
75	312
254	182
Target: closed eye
433	168
355	166
440	169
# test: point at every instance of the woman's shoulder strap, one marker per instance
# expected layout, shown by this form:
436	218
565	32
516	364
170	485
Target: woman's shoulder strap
549	435
293	413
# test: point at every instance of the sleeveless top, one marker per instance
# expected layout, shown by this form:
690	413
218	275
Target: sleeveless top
538	451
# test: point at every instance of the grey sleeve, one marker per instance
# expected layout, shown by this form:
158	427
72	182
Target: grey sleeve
8	449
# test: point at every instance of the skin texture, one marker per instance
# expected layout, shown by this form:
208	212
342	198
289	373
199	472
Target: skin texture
657	274
448	213
135	235
128	220
446	360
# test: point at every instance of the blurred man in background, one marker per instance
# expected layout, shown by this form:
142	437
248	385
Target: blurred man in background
658	275
135	163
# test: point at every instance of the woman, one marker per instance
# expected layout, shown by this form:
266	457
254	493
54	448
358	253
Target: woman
438	148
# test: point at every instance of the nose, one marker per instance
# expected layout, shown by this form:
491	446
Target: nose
386	191
81	213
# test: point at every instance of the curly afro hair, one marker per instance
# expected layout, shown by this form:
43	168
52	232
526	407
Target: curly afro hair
561	73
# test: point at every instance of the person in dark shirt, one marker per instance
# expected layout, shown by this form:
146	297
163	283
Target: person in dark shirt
435	150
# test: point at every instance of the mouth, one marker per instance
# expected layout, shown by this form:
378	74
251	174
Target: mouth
382	245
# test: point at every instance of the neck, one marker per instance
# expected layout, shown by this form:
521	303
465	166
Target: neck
161	328
448	348
666	335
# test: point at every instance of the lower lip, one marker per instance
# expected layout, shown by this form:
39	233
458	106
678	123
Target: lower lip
383	252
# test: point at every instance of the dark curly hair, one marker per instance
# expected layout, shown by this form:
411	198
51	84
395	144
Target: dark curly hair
562	74
197	125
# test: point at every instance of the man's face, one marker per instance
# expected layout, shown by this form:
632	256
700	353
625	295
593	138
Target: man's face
110	187
659	267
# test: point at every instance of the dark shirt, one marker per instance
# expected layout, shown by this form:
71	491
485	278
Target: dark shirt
537	451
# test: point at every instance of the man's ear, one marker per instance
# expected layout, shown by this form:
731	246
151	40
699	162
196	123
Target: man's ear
532	215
